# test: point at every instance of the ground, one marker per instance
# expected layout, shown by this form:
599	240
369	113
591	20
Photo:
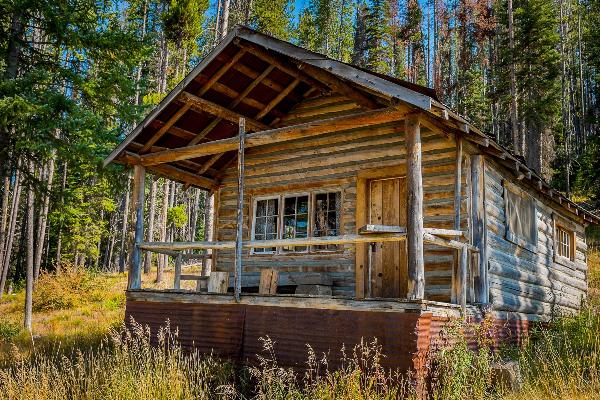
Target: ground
76	310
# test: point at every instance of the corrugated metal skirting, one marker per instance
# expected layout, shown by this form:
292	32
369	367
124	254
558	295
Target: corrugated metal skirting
234	330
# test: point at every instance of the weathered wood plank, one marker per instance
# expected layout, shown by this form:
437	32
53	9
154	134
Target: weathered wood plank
277	135
268	281
218	282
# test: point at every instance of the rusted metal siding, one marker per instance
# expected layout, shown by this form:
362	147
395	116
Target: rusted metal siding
234	331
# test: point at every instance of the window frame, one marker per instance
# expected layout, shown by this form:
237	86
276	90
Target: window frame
284	196
560	222
280	220
255	200
510	235
312	212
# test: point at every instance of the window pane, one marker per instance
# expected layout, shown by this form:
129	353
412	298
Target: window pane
290	206
261	208
327	216
302	205
272	207
289	227
295	220
302	223
271	225
265	224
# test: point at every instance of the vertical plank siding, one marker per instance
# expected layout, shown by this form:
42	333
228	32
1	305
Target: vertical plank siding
523	281
331	163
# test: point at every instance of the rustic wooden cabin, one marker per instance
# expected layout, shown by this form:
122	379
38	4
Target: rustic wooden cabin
346	204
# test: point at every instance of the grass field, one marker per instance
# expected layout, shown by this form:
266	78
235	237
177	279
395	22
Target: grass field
80	350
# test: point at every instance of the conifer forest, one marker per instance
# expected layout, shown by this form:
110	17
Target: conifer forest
77	75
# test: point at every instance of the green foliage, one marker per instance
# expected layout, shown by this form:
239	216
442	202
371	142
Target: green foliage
9	330
326	26
272	17
458	371
183	20
177	216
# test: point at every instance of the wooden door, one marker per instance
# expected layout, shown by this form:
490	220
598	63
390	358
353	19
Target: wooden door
388	267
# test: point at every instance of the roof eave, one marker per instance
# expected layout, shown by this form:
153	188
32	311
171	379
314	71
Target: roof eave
172	95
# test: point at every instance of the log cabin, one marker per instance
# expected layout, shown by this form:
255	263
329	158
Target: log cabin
346	205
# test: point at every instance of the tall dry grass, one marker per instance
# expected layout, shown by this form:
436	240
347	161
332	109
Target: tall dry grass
560	361
124	366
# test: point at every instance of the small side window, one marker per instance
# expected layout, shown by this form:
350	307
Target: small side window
521	217
564	241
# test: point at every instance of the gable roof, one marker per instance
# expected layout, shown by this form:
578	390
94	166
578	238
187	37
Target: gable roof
285	86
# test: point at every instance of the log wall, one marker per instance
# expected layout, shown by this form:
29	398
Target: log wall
331	163
522	281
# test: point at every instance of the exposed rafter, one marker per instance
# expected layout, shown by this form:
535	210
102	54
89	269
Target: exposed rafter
171	172
201	105
273	103
232	105
205	167
171	121
175	131
280	64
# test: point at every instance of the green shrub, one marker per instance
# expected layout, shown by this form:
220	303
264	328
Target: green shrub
458	371
66	290
8	330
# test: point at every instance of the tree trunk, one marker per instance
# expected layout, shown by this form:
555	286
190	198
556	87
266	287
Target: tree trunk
4	219
30	256
194	215
516	137
43	218
13	54
224	18
138	78
163	230
124	230
151	215
208	228
63	186
10	234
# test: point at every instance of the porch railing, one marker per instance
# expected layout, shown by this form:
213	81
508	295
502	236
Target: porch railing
447	238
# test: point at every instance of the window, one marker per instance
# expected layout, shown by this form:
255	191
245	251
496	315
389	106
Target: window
564	244
327	217
296	216
521	218
266	221
564	240
295	220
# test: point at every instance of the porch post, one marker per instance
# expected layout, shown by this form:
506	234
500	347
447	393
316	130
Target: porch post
414	197
240	212
457	279
478	215
135	266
